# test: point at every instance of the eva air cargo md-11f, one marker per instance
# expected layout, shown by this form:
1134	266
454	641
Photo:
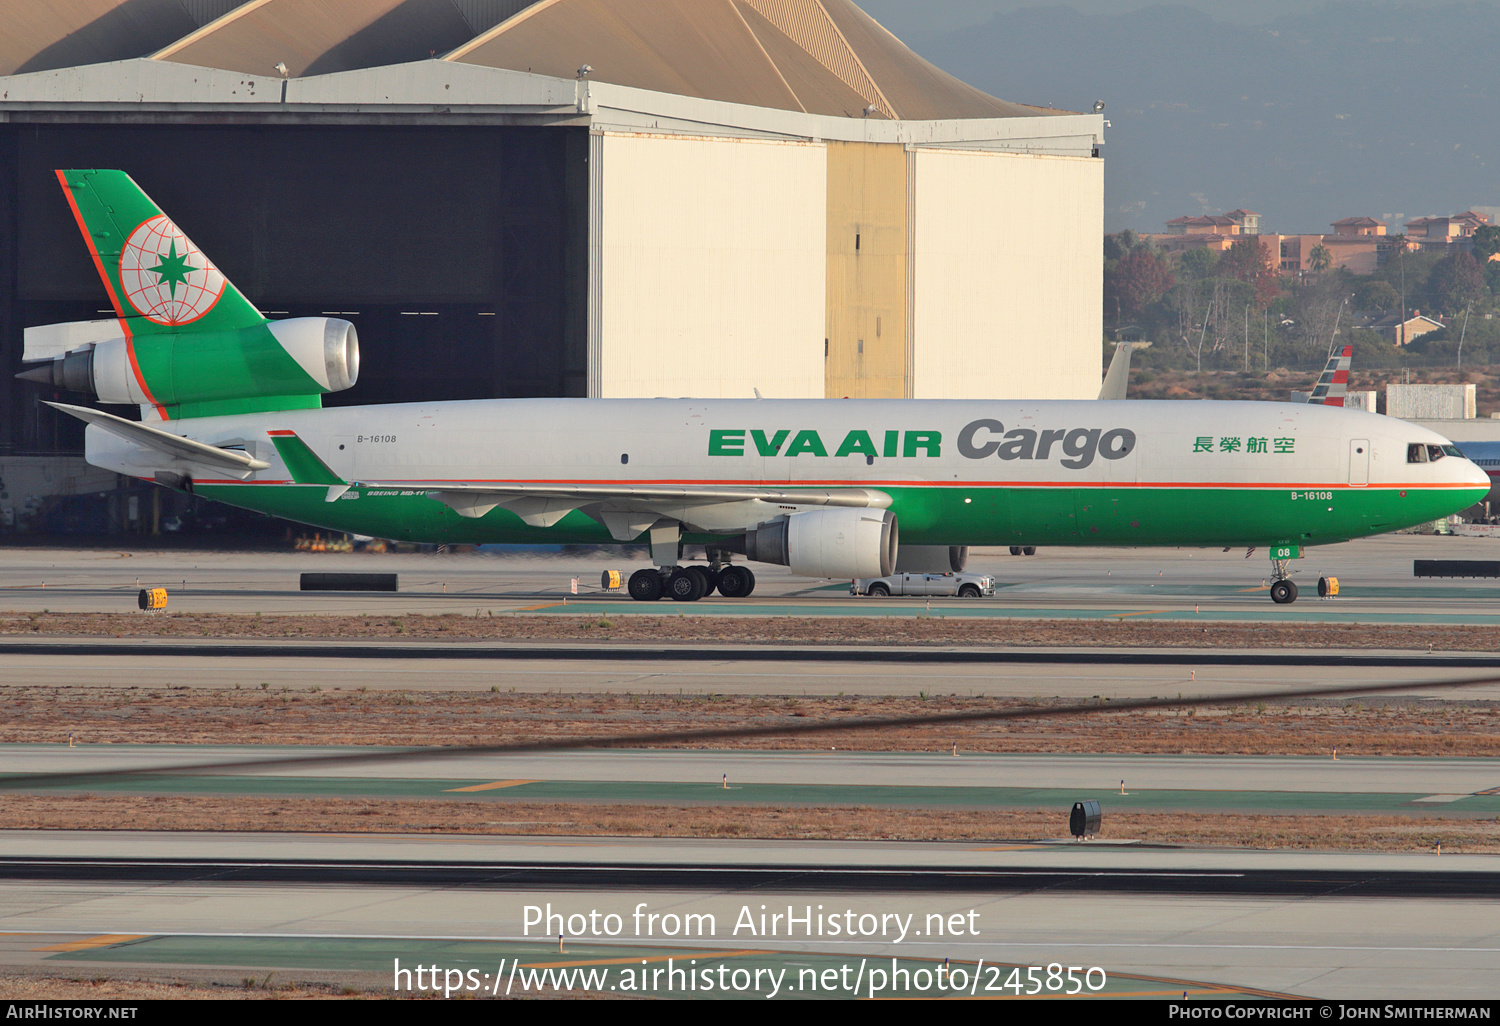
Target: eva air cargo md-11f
231	409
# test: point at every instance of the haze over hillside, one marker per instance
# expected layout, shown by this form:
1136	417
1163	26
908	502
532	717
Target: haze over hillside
1301	112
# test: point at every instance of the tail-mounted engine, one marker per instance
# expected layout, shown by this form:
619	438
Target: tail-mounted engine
300	356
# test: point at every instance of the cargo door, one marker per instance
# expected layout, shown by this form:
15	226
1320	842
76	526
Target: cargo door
1359	462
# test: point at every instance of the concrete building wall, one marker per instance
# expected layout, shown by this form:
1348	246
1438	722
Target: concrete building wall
1430	402
1007	286
867	268
712	260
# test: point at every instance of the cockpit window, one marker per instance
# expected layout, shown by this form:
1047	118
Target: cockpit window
1416	452
1453	450
1434	453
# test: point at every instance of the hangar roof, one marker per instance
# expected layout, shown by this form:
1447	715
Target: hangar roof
818	56
824	57
63	33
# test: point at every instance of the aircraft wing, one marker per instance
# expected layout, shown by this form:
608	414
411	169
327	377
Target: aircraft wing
628	510
164	441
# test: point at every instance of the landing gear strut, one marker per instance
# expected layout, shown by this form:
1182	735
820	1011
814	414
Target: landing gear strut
1283	591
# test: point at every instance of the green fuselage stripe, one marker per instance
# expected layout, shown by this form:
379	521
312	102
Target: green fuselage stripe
927	515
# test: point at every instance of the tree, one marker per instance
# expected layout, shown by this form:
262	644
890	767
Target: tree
1117	247
1486	242
1198	263
1249	260
1137	281
1377	295
1320	259
1456	282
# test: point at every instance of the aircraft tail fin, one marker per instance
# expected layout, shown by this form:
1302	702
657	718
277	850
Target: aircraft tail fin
1333	384
157	279
1117	378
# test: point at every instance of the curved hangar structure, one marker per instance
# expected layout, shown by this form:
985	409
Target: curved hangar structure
738	195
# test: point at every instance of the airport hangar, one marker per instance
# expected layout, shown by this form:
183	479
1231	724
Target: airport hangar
740	195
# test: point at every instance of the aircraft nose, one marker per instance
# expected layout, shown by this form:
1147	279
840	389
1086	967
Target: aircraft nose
1475	475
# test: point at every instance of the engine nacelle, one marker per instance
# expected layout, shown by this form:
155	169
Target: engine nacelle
932	559
326	347
299	356
840	543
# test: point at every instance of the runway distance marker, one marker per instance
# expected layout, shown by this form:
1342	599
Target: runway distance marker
491	786
101	941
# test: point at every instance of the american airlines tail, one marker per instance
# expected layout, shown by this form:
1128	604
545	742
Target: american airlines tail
1333	385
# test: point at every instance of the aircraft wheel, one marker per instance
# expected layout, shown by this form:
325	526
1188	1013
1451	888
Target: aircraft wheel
968	591
645	585
705	575
1015	550
1029	550
1283	593
684	585
878	590
735	582
749	576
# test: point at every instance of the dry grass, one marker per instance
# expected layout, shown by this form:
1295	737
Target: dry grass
314	716
686	629
48	984
989	826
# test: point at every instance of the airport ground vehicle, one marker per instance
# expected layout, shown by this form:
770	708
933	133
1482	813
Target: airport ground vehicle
232	409
962	585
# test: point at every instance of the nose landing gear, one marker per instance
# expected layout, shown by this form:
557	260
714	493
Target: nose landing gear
1283	591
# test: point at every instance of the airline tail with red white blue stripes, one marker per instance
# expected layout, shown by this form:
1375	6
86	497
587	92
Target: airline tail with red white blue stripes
1334	382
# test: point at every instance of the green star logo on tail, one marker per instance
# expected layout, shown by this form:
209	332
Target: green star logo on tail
173	269
173	284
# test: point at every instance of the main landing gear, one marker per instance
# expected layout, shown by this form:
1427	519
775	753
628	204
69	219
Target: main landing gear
1283	591
691	583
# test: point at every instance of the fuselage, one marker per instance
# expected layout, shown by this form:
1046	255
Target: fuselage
958	472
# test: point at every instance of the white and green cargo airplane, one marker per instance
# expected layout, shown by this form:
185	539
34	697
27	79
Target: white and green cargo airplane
231	409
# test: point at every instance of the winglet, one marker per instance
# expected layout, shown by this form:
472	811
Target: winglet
302	463
1117	378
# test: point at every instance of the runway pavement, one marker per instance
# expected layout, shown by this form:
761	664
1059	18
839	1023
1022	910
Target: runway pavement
1467	788
1075	674
1375	574
1256	922
1158	921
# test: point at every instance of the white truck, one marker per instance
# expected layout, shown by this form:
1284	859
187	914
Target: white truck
960	584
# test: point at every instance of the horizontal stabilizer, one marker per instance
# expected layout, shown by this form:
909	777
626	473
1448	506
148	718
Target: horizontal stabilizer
304	465
165	442
48	341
